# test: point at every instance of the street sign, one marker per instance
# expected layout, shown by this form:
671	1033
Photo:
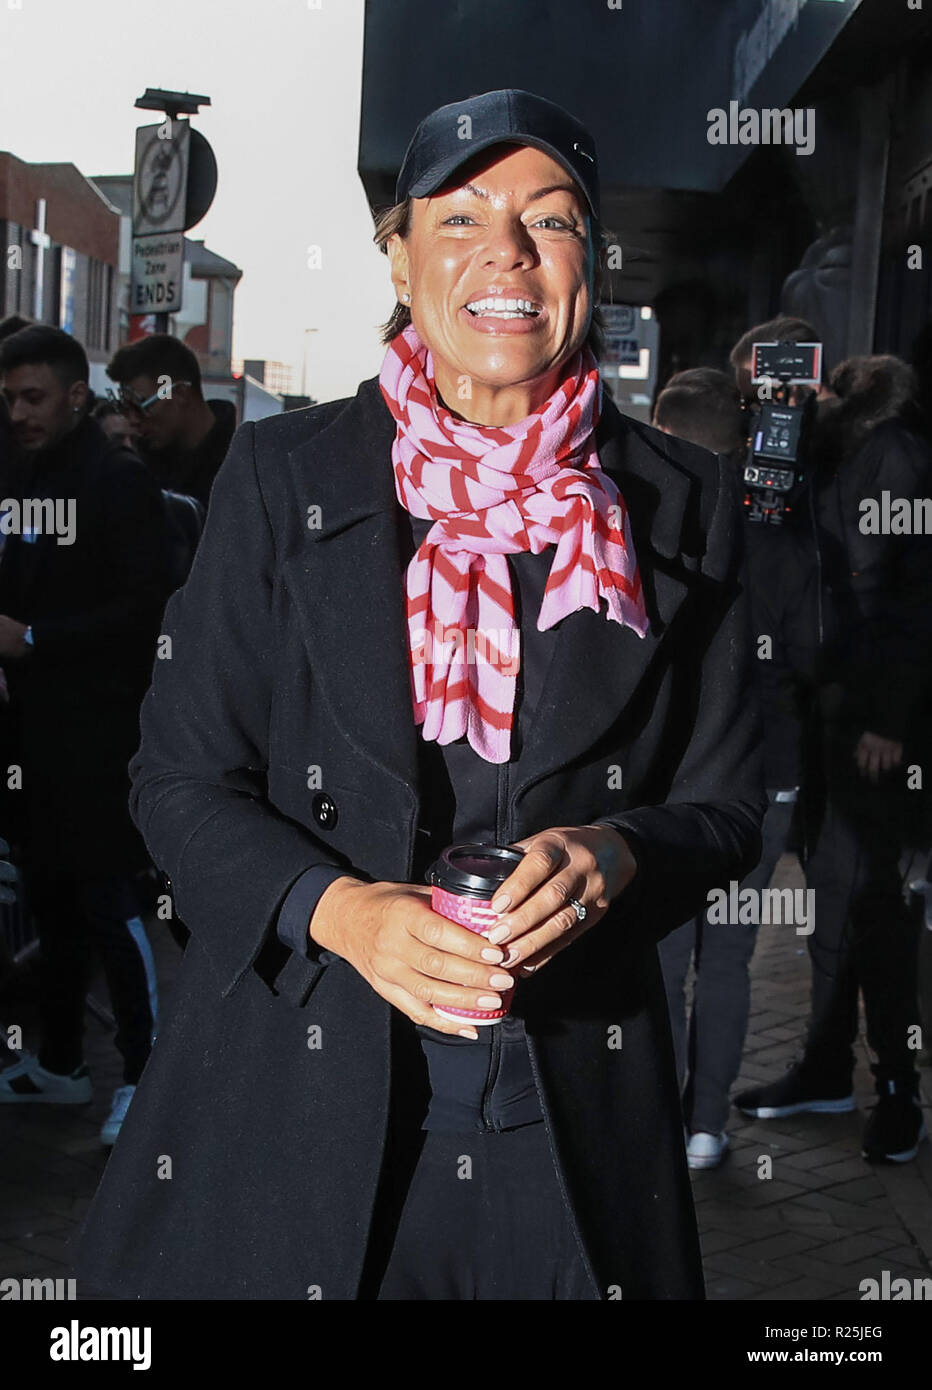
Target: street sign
620	318
202	179
621	352
628	364
174	183
160	181
157	274
621	335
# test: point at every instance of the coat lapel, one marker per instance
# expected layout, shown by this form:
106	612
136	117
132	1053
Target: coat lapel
347	581
596	665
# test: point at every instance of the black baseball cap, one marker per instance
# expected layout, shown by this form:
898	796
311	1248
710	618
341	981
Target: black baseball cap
511	116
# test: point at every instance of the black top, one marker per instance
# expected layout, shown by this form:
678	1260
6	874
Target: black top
487	1083
92	586
192	472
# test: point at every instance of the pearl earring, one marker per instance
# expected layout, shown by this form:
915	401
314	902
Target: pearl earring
406	298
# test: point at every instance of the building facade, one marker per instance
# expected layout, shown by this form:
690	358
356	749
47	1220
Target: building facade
66	243
205	320
756	157
60	239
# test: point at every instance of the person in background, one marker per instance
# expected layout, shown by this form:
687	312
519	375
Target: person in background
12	324
185	523
185	512
851	620
80	608
182	437
921	358
704	406
117	424
782	329
10	465
9	453
777	557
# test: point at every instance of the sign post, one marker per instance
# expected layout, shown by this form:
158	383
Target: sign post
174	183
160	184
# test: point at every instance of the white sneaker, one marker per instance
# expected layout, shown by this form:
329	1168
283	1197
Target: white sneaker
26	1082
111	1126
706	1150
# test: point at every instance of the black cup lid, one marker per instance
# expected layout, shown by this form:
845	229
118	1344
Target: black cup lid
475	869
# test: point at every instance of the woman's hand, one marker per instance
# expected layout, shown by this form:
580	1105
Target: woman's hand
409	954
589	863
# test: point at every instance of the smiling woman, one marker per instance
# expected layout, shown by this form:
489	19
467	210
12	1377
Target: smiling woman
395	221
308	754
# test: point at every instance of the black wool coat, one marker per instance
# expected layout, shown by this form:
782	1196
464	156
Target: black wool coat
849	609
290	655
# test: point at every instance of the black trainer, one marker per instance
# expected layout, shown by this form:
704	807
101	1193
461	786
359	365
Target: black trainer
800	1089
896	1126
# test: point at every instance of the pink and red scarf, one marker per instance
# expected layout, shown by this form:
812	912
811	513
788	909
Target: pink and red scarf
493	492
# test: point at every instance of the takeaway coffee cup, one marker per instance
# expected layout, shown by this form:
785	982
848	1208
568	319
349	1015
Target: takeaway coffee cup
463	882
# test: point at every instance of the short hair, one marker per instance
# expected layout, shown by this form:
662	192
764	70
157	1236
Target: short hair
702	405
157	355
12	324
882	387
783	329
40	345
397	218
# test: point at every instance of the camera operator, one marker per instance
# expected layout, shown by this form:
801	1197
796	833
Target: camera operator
850	616
778	556
704	406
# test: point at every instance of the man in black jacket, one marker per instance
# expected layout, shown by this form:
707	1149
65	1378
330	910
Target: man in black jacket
183	438
82	587
9	453
704	406
849	607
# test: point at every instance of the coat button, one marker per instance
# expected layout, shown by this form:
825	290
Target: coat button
325	810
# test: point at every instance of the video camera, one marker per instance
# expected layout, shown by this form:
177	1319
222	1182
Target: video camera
776	469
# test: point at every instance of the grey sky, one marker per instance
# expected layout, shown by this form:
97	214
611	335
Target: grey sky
284	78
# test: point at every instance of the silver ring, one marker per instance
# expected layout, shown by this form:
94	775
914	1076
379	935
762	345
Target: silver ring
578	908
